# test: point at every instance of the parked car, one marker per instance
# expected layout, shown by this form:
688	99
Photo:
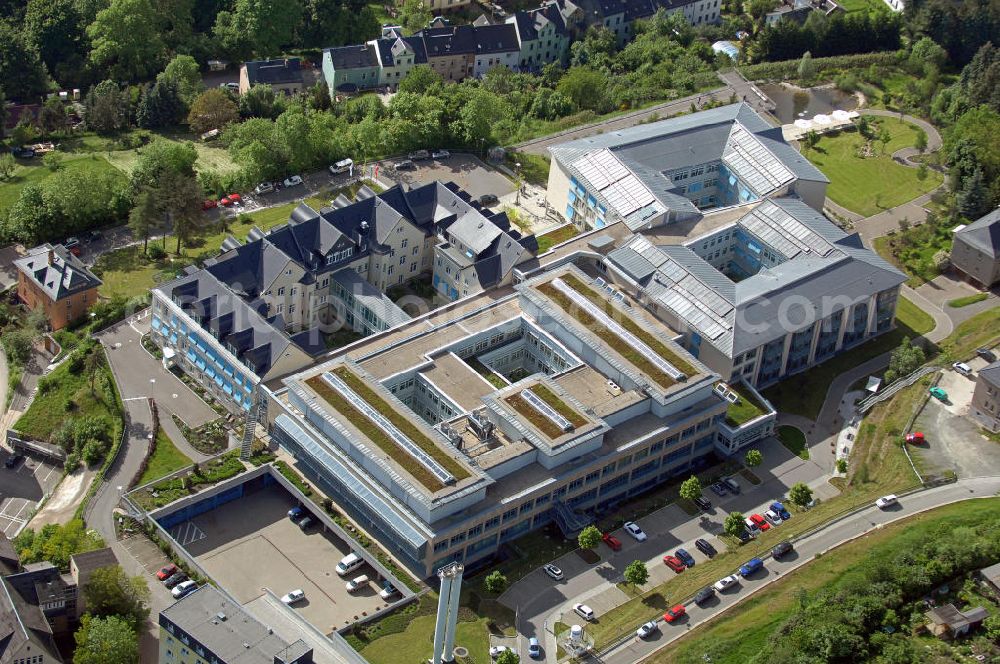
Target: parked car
751	526
675	613
962	368
781	549
938	393
349	563
705	547
13	460
916	438
751	566
584	611
73	245
646	629
674	563
534	648
986	354
554	572
726	582
633	529
732	485
296	513
886	501
703	504
685	557
705	594
231	85
440	154
719	489
342	166
388	591
183	588
293	181
175	579
209	203
782	512
23	152
403	165
419	154
263	188
496	651
773	517
612	541
225	201
357	583
486	200
306	522
166	572
747	535
760	522
294	596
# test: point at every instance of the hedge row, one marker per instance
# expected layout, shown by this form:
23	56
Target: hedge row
789	69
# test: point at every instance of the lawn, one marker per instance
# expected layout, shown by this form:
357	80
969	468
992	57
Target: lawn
793	439
550	239
803	394
166	458
415	643
737	635
960	302
983	329
878	467
869	185
534	167
744	410
913	250
33	172
69	395
860	5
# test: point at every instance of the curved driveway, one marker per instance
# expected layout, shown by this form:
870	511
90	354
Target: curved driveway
847	528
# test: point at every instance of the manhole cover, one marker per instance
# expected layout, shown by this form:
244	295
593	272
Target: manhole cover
461	652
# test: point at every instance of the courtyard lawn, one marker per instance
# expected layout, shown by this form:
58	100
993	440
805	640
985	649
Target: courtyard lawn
32	171
803	394
794	440
869	185
415	643
164	460
737	635
879	466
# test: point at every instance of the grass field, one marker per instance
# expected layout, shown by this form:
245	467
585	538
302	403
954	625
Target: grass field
803	394
794	440
737	635
959	302
210	157
32	171
860	5
869	185
415	643
165	459
878	467
983	329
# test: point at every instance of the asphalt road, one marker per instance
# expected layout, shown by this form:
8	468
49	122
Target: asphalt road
848	528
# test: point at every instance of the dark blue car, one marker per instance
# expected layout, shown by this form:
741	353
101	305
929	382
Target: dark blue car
685	557
751	566
780	509
296	513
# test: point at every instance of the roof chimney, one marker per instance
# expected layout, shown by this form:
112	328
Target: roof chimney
52	256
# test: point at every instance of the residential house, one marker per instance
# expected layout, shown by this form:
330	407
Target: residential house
351	68
542	36
948	622
396	56
52	280
451	51
25	634
283	75
990	578
975	251
446	5
985	407
496	46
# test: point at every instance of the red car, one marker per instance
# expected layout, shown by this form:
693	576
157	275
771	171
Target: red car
166	572
225	201
674	563
209	204
760	522
675	613
235	198
612	541
916	438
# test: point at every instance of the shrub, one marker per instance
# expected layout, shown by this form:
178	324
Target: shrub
156	252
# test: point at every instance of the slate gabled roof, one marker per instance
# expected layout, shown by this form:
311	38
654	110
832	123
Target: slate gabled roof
56	271
358	56
274	72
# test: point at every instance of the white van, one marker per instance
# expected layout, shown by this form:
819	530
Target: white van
349	563
357	583
342	166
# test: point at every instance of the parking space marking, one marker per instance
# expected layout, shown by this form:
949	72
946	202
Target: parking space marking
187	533
51	470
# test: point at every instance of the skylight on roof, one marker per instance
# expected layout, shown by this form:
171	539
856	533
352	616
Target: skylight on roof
754	164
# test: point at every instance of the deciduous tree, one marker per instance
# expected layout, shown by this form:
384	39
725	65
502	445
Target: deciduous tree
636	573
106	108
126	40
691	488
109	640
22	71
753	458
213	109
258	27
495	582
734	524
589	538
112	592
144	216
800	493
183	72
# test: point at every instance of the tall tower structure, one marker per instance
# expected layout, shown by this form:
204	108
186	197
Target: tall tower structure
447	614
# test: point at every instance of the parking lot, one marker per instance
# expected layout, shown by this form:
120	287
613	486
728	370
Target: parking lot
953	438
250	544
21	488
465	170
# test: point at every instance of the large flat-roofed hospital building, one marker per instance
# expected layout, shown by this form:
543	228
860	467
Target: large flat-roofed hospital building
462	430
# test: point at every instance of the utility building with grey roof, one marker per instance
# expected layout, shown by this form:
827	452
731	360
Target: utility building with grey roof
678	170
773	293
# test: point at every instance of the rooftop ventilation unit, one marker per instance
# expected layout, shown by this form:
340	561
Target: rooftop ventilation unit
383	423
619	331
546	410
480	425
